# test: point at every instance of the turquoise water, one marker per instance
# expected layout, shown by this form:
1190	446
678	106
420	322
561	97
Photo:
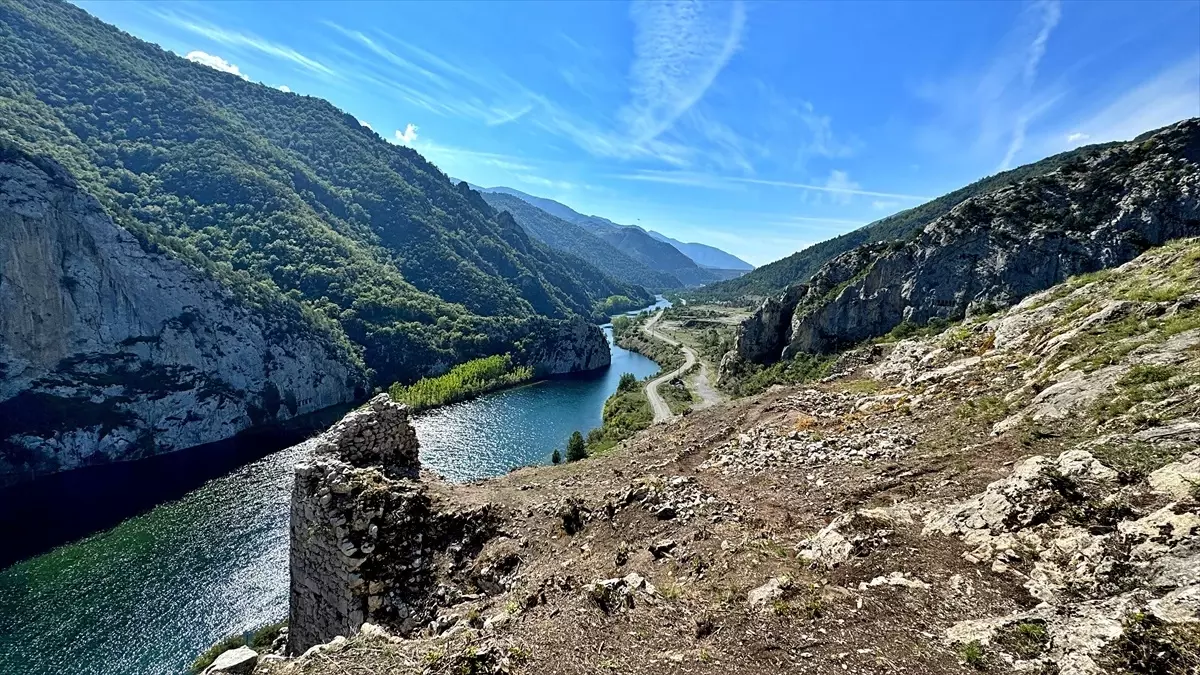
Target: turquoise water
147	595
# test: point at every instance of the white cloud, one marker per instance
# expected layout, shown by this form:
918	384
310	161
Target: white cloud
236	39
1077	136
284	88
368	125
215	62
408	136
680	46
884	204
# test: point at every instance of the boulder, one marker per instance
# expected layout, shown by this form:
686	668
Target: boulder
761	597
240	661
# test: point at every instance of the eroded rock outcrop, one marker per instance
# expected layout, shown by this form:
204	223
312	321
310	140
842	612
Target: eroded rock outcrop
566	346
994	249
111	351
370	541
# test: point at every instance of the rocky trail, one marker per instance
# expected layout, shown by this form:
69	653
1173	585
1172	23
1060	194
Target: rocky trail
708	395
1015	494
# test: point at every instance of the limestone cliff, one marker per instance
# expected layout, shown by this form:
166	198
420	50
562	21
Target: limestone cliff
110	351
993	249
565	346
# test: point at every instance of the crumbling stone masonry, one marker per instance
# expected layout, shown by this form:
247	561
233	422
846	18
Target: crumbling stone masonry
370	541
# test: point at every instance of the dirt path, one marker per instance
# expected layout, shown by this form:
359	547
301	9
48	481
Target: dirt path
708	396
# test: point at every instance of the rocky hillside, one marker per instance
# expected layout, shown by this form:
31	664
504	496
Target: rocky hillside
1016	494
993	249
568	237
772	279
282	196
110	351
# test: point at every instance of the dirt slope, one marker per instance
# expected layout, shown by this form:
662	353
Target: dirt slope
1015	494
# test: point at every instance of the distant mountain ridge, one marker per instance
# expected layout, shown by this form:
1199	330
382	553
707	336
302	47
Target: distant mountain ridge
568	237
631	240
705	255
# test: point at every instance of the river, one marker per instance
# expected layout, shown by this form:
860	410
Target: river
146	596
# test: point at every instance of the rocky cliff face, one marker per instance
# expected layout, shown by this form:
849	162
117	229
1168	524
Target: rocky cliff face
111	352
566	346
994	249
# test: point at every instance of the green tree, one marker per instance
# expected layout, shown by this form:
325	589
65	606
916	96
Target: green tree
628	382
576	450
556	458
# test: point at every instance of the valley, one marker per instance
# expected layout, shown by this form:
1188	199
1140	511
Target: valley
279	396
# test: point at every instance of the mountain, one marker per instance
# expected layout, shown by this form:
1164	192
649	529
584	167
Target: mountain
772	278
1007	497
567	237
704	255
278	204
630	240
1095	211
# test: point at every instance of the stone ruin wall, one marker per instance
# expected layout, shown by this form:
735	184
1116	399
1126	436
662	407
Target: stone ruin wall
369	540
334	500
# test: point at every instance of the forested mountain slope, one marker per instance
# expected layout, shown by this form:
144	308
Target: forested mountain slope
631	240
281	196
567	237
798	267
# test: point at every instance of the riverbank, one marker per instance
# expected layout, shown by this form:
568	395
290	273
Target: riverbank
212	560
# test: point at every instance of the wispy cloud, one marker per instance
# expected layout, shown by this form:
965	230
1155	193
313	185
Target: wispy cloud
680	46
545	182
837	183
247	41
215	62
284	88
1168	96
841	187
684	178
996	104
503	116
832	185
388	55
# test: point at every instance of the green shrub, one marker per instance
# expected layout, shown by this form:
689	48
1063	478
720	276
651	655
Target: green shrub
628	382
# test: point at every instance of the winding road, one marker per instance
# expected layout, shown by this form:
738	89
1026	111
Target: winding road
708	395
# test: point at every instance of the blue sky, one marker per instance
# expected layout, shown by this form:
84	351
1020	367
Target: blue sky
758	127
